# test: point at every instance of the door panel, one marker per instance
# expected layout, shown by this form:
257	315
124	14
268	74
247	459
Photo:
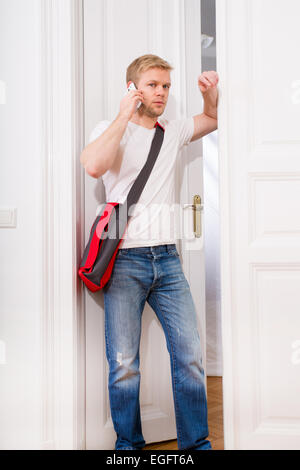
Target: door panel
109	46
259	150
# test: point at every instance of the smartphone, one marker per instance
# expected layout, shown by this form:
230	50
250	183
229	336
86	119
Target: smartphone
132	87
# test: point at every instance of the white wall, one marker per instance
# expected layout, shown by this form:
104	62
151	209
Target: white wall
20	247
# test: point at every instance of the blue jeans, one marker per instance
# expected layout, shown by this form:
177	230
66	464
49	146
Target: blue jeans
153	274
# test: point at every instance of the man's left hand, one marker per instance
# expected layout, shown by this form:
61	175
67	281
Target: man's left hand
208	81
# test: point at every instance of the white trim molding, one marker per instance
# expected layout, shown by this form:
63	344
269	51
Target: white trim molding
225	227
63	335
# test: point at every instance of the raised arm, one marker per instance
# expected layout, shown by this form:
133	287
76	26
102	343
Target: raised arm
99	156
207	122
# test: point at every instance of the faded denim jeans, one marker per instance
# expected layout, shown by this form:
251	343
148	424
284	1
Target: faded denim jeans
153	274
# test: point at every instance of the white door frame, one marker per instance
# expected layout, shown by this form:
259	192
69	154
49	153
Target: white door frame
225	228
63	322
63	424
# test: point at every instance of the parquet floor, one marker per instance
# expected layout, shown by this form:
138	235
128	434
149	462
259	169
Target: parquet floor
215	418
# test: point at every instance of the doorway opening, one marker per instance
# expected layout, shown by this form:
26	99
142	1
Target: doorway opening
156	405
214	369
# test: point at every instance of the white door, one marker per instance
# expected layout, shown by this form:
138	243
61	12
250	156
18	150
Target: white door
111	29
259	168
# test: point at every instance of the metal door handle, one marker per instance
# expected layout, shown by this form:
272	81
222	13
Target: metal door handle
197	208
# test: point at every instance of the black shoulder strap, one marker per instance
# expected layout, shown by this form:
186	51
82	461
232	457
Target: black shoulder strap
142	178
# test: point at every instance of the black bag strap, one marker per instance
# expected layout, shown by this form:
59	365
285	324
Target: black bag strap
143	176
117	225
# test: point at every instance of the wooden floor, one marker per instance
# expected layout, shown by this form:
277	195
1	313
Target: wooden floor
215	418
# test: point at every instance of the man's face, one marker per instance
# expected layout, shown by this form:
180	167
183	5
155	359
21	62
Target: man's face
155	84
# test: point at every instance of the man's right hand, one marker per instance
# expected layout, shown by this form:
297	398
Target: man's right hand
129	103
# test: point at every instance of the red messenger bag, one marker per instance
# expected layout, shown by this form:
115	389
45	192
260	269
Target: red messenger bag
109	227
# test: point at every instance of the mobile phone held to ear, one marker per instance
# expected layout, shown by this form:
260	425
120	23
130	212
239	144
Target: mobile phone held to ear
132	87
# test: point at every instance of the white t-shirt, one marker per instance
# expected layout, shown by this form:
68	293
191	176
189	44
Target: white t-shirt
151	223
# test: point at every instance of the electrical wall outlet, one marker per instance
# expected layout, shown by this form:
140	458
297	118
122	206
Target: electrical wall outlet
2	92
8	217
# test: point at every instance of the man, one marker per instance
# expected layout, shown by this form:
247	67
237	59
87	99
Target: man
147	266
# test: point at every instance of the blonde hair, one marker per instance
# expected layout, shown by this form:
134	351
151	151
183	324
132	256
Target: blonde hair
144	63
